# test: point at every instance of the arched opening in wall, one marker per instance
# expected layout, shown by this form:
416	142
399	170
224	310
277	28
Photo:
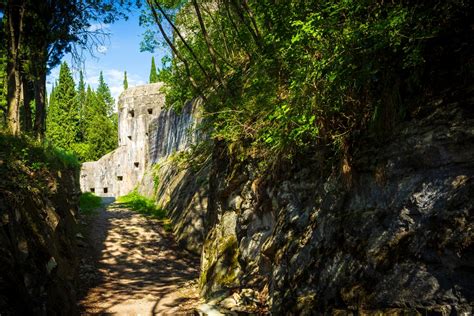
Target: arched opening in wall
106	190
136	164
119	178
92	190
146	134
131	113
150	111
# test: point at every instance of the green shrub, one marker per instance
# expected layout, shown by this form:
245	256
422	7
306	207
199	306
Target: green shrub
292	76
35	154
89	202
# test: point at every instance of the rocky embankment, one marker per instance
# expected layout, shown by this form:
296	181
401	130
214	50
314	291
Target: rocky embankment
38	204
391	231
388	230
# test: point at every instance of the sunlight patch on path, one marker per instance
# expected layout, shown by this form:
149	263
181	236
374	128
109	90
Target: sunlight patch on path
132	268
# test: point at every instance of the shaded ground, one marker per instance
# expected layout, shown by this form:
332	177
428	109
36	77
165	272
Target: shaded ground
130	266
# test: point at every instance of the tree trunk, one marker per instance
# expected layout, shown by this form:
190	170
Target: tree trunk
210	48
175	29
175	50
28	95
13	100
239	11
40	102
14	15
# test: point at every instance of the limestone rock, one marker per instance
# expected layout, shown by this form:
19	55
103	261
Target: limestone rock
38	263
398	239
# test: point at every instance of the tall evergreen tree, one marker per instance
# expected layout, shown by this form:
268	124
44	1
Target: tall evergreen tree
81	98
153	73
104	96
125	81
63	112
100	127
81	89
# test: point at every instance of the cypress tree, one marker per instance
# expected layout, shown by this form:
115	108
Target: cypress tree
125	81
153	73
101	128
63	112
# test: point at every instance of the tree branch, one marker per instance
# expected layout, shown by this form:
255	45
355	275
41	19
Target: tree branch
182	39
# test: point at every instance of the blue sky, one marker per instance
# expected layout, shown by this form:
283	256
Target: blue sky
120	52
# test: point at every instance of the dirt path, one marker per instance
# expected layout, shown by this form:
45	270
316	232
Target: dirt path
130	267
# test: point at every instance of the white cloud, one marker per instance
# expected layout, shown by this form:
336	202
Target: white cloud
98	27
102	49
112	77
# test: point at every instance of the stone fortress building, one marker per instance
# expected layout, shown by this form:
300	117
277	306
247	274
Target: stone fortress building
147	133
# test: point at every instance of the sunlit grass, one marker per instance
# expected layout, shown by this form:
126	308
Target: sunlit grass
141	204
89	202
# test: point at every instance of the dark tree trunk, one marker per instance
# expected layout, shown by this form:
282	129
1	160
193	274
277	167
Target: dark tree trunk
28	96
175	29
174	49
40	102
14	14
210	48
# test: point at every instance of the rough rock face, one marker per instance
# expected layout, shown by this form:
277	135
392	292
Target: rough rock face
38	264
394	234
171	132
182	192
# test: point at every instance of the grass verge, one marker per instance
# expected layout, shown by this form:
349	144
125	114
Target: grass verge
89	202
145	206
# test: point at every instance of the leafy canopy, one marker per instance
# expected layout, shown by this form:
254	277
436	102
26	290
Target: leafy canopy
285	76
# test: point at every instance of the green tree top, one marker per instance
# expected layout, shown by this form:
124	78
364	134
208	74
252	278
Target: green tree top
153	73
81	88
63	111
125	81
104	96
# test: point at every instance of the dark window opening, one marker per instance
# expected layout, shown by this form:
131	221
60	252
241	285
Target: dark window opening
146	134
132	113
92	190
129	137
150	111
106	190
136	164
119	178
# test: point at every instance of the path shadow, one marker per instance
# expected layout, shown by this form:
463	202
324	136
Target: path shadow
131	258
108	200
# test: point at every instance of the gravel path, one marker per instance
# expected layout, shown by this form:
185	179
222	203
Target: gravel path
130	266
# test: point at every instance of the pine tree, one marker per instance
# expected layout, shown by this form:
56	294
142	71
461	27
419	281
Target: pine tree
104	96
153	73
100	126
63	112
81	89
81	97
125	81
